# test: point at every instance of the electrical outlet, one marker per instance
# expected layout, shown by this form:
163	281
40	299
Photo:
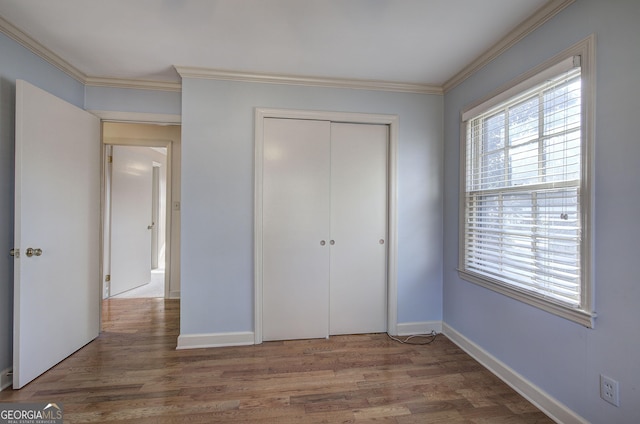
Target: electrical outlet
609	390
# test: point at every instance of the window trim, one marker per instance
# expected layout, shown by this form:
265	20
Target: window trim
585	314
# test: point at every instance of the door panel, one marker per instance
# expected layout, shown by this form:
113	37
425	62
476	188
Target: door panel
131	199
155	215
57	210
295	221
358	293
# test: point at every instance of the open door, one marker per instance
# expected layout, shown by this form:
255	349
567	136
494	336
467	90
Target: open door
57	222
131	218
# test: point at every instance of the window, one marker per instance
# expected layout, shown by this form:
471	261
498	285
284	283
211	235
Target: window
524	225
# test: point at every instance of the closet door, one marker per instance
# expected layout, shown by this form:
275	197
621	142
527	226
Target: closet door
296	201
358	288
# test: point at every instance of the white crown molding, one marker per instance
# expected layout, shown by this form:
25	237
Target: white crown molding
136	84
549	10
546	12
218	74
40	50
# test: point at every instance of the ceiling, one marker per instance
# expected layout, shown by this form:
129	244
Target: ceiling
402	41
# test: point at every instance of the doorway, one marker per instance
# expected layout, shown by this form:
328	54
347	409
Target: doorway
136	178
141	210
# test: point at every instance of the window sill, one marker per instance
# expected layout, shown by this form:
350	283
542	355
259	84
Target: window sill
579	316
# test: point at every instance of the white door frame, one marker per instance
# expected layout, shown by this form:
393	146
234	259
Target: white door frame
356	118
140	118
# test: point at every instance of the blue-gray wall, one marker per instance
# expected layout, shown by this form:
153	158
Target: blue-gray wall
218	190
132	100
563	358
19	63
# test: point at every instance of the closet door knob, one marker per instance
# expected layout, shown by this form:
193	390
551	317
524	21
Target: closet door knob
332	242
322	242
381	241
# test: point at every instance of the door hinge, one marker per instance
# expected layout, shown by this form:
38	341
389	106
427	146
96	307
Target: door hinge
107	277
109	159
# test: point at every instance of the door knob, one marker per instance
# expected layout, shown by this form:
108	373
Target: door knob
332	242
322	242
150	227
33	252
14	253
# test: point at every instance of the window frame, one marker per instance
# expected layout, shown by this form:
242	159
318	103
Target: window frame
584	314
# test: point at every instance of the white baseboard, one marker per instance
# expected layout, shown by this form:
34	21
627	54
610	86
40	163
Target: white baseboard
174	294
196	341
542	400
425	327
6	378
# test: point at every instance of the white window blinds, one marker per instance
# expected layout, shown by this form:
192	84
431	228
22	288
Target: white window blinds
523	160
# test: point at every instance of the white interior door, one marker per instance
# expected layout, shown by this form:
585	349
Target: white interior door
358	290
57	222
295	229
131	221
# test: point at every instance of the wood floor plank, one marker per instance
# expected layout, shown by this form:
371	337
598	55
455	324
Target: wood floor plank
132	373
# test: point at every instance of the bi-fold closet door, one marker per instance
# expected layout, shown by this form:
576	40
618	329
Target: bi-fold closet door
324	229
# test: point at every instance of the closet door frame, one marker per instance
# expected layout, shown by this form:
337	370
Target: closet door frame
346	117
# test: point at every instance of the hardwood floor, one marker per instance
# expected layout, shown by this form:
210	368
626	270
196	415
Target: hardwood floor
133	374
